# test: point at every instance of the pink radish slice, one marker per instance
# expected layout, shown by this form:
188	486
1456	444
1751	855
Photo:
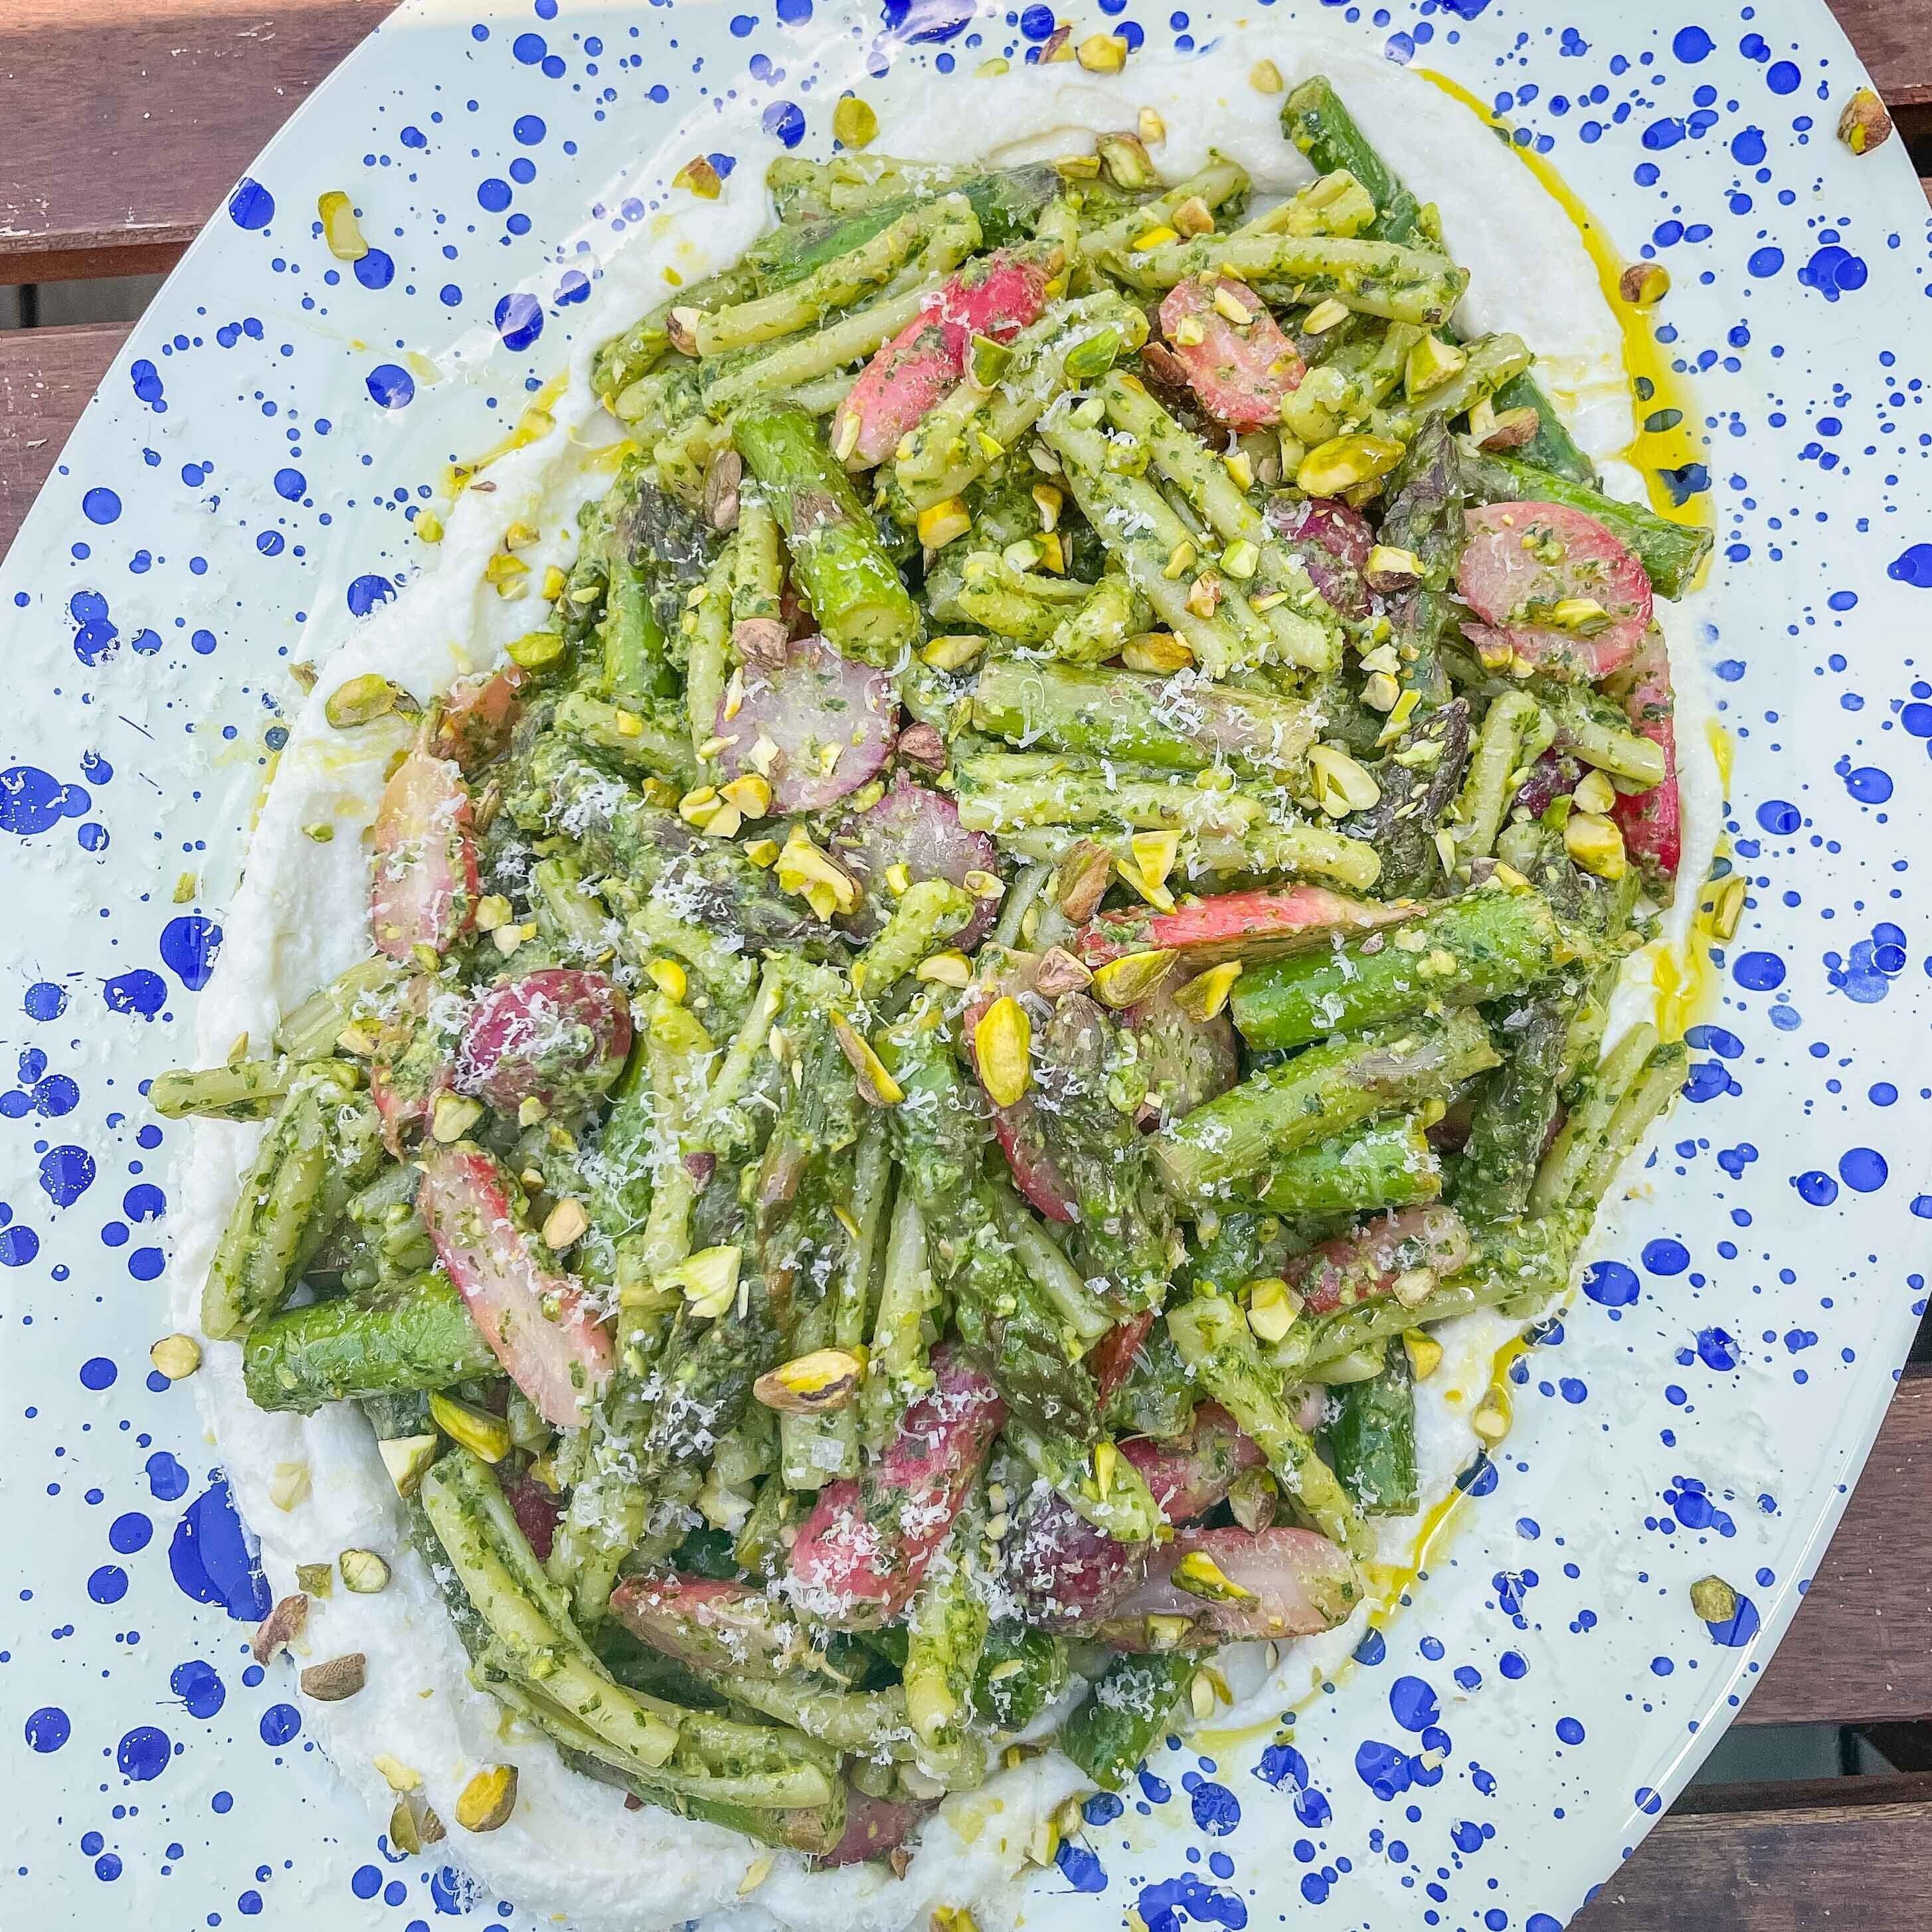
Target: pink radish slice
866	1546
1365	1265
1523	559
1065	1571
1332	540
424	889
1653	821
998	297
1298	1584
1234	926
559	1036
919	829
875	1826
1112	1358
478	715
1188	1477
816	725
1241	371
1023	1131
711	1625
560	1361
536	1512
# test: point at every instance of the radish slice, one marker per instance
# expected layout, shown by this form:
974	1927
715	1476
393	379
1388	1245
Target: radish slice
712	1625
1332	542
558	1035
1426	1242
996	297
478	715
1065	1572
424	887
1235	925
865	1547
814	724
536	1512
1522	560
1112	1360
1191	1474
1296	1584
1653	821
919	829
559	1360
874	1827
1241	371
1022	1130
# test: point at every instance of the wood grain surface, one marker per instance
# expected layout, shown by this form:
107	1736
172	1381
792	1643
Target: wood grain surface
127	121
47	377
1847	1854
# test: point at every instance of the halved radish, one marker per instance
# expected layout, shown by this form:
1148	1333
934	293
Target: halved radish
538	1325
866	1545
478	715
1065	1572
1024	1132
1190	1475
817	725
915	827
1292	1583
1111	1359
1653	821
1332	540
1410	1242
711	1625
1555	585
1240	371
997	296
424	889
1235	925
558	1035
875	1827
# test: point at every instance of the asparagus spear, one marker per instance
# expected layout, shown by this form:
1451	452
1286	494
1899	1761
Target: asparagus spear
1385	1163
416	1336
318	1146
1320	1093
1389	279
245	1089
1022	1671
1215	1340
1370	1437
853	589
1314	119
1515	731
946	1631
1183	724
310	1031
1131	1703
1480	946
1516	1109
635	739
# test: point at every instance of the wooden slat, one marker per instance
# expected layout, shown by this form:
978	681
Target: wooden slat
1894	39
47	377
1860	1649
127	121
1803	1859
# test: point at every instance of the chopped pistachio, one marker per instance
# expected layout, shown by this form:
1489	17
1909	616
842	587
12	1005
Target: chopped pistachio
364	1573
176	1356
289	1487
485	1803
855	122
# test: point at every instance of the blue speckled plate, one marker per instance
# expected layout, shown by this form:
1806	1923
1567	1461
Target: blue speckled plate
245	482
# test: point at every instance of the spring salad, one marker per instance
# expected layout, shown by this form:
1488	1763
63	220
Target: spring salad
938	1040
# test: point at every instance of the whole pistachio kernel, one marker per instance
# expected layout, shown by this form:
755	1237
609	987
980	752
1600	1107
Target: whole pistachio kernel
176	1356
362	701
1864	124
1003	1047
488	1800
1713	1600
855	122
364	1573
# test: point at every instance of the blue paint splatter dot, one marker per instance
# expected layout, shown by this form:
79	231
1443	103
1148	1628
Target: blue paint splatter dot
1611	1284
100	506
279	1723
1862	1169
392	386
48	1728
189	947
519	318
142	1754
366	593
251	205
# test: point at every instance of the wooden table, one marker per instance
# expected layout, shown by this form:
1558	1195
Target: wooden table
157	118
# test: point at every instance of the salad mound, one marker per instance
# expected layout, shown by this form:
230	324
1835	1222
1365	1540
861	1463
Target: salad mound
936	1041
